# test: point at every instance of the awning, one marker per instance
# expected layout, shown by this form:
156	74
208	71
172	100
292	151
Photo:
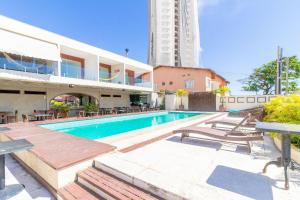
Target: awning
26	46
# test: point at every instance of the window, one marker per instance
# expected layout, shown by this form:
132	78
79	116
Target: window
35	92
189	84
105	72
72	67
9	91
171	83
163	83
116	95
105	95
129	77
208	83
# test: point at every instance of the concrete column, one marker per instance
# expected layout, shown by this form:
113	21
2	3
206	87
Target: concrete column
98	72
59	63
124	74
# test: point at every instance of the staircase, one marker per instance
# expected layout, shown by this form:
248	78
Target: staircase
94	183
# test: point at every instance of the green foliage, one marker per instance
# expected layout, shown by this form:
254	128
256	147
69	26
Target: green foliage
284	110
91	107
222	90
60	106
262	79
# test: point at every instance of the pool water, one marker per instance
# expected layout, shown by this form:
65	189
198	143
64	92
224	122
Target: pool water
104	127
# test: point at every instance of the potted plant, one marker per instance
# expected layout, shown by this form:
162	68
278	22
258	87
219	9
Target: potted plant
91	107
61	109
222	90
181	93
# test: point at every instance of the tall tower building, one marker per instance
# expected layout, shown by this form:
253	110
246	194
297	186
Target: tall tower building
174	37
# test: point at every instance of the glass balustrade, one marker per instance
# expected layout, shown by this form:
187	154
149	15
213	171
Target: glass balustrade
138	82
27	64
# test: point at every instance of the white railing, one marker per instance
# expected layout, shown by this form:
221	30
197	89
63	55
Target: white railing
241	102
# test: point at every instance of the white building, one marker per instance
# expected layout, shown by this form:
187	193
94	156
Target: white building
37	66
174	37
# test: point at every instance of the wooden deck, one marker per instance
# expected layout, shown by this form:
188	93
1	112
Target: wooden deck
57	149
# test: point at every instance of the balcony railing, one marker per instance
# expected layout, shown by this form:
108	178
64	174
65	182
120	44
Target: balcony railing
28	67
110	78
138	82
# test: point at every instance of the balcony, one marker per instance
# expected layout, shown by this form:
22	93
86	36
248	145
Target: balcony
138	82
27	64
111	72
138	78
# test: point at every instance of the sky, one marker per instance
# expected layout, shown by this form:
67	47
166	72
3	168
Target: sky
236	35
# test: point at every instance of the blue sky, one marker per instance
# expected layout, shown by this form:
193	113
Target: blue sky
236	35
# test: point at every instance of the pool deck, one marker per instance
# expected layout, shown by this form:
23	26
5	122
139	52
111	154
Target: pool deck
54	148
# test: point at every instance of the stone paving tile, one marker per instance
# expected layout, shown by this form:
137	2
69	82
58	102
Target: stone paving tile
206	169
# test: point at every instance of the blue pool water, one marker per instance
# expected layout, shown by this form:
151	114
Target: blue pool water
104	127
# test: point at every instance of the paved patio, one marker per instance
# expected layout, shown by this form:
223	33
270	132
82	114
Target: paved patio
206	169
15	174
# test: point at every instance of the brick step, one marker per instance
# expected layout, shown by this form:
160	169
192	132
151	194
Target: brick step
110	187
75	191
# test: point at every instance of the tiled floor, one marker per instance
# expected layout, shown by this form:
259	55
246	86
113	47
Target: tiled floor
205	169
15	174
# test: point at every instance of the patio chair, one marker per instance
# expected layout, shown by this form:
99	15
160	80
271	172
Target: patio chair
221	135
12	118
3	118
51	114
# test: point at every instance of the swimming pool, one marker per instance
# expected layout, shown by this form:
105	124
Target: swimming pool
104	127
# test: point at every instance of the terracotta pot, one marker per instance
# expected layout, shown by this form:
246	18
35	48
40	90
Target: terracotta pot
222	108
181	107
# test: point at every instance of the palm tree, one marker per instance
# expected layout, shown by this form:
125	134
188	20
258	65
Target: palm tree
222	90
181	93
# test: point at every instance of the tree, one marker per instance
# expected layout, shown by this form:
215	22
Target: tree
263	78
222	90
181	93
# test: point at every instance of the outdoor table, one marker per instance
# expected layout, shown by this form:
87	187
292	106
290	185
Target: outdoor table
8	147
285	130
41	117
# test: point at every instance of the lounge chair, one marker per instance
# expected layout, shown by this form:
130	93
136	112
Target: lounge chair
220	134
246	122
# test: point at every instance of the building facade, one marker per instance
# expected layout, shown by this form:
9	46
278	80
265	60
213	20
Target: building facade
37	66
174	37
192	79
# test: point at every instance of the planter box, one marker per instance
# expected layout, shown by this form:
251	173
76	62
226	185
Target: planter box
294	151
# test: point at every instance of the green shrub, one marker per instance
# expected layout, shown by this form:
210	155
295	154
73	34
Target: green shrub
60	106
91	107
284	110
